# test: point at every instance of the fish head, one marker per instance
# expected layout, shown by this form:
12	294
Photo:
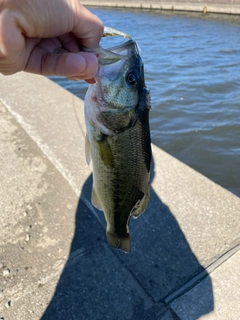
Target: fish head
120	77
111	103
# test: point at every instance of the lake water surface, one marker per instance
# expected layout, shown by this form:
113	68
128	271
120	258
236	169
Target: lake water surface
192	68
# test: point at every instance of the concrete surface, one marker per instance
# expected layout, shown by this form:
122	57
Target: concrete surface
225	282
54	259
208	6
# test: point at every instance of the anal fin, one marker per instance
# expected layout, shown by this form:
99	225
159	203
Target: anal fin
136	212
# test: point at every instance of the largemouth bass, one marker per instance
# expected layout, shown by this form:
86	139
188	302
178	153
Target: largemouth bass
118	139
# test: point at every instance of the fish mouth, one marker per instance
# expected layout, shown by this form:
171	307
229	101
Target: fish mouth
124	49
114	54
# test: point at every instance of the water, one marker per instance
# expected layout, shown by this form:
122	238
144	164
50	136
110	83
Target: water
192	67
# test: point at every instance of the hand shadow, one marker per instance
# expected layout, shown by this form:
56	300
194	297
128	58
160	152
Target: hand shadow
102	283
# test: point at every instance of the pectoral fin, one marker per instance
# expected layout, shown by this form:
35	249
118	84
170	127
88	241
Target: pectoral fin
105	152
87	150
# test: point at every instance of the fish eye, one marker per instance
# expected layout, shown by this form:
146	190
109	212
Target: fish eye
132	78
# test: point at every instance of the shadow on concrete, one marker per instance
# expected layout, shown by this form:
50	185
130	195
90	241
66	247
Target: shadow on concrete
101	283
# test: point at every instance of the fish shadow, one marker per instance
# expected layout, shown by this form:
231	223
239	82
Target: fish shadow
99	282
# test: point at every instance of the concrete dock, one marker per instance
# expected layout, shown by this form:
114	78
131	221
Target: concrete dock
208	6
54	259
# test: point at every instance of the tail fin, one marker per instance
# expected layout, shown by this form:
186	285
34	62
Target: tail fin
122	243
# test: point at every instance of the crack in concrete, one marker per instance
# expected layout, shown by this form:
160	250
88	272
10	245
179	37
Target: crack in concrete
202	275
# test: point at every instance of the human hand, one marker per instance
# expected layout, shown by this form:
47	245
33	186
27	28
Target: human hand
44	37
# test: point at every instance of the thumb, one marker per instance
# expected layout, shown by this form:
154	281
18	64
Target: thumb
81	65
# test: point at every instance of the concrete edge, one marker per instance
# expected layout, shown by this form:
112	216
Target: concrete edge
204	7
225	280
201	276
